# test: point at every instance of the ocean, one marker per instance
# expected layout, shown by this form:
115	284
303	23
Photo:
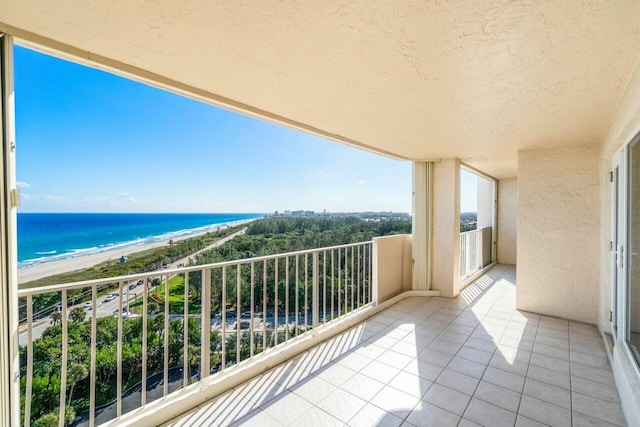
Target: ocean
44	237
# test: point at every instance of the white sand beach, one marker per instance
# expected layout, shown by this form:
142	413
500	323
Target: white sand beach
45	269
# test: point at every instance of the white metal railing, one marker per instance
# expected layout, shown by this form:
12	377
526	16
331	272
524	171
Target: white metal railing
470	252
200	319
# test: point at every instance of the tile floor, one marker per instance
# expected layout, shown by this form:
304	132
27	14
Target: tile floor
469	361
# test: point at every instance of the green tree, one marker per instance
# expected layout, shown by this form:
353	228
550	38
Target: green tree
56	318
78	314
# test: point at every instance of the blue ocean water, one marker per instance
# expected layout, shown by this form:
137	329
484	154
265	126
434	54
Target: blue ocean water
46	237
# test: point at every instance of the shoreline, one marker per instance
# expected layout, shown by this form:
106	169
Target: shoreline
51	268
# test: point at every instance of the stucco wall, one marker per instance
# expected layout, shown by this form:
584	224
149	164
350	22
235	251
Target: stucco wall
507	221
446	227
392	265
558	230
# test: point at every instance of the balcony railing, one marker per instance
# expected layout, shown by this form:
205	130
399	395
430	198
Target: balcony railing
470	252
194	321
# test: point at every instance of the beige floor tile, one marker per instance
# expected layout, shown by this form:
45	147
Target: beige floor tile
550	362
362	386
507	364
498	396
257	418
424	369
371	415
316	417
600	409
585	359
590	373
549	376
487	414
369	350
547	392
436	357
394	359
594	389
551	351
412	384
478	344
544	412
527	422
457	381
341	405
504	379
353	361
395	401
428	415
447	398
380	371
335	374
581	420
467	367
475	355
467	423
443	346
287	407
551	341
313	390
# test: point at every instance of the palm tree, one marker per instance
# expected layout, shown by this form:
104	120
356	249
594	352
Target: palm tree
56	318
78	314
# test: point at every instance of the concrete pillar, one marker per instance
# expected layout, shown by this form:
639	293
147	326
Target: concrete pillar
446	228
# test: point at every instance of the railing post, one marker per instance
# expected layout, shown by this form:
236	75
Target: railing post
205	356
315	306
374	269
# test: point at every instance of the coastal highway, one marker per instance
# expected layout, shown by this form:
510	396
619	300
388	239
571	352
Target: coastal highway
109	308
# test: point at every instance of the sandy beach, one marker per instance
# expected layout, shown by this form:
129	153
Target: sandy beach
45	269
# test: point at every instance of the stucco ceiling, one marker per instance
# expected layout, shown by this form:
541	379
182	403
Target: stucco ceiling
422	80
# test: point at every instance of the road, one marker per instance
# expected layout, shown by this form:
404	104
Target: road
108	308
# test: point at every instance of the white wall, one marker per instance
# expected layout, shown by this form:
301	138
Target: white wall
558	231
507	220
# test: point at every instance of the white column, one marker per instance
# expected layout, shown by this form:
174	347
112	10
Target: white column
421	238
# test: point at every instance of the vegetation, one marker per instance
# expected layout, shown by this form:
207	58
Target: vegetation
263	237
468	221
139	262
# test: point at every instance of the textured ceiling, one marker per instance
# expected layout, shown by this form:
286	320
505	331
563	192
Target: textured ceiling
422	80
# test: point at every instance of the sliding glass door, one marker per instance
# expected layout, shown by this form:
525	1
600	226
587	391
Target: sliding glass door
632	303
625	247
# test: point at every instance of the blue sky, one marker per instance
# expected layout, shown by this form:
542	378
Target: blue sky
89	141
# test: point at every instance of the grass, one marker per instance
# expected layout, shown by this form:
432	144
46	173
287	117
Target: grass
176	297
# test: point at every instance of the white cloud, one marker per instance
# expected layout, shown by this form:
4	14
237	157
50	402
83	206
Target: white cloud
22	184
360	181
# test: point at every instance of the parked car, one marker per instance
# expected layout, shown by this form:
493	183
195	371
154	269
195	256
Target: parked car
87	305
132	285
139	282
110	297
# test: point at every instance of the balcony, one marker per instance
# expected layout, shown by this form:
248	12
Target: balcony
472	360
330	336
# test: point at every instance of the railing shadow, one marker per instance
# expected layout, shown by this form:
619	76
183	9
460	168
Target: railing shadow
427	336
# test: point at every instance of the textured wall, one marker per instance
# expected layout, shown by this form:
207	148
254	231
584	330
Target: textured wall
558	228
507	221
446	227
393	256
